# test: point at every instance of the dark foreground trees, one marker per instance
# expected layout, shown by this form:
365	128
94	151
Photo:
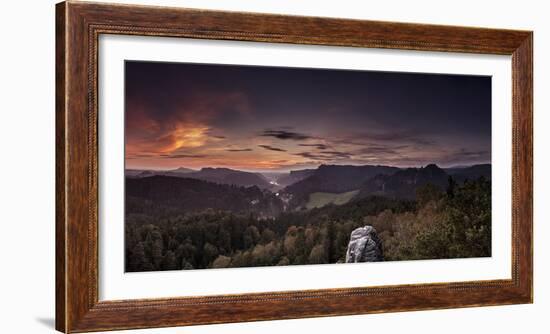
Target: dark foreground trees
450	224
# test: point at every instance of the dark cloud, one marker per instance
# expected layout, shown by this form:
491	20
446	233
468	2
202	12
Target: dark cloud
140	155
421	141
325	155
317	146
336	154
377	151
465	155
381	149
409	137
284	135
309	155
271	148
219	137
239	150
180	156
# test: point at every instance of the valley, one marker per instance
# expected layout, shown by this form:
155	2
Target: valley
219	217
319	199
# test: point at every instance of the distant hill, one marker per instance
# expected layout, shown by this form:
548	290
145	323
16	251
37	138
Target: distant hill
147	173
231	176
307	188
334	179
184	195
403	184
460	174
216	175
183	170
294	176
133	172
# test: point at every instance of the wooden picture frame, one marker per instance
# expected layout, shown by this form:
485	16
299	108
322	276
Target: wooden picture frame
78	26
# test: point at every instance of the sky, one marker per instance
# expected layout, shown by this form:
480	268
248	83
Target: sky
260	118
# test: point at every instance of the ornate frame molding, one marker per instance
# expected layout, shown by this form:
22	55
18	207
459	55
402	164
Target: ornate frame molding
78	27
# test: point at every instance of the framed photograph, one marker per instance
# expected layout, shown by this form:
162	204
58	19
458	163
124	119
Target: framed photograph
222	167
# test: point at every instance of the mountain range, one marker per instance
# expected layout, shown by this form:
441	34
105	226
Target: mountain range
234	190
403	183
334	179
460	174
294	176
216	175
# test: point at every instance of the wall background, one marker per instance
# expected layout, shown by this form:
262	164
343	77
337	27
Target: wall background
27	69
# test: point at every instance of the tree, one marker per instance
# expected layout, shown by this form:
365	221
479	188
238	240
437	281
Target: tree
464	230
470	219
155	246
300	246
186	265
251	236
318	255
221	262
169	261
209	253
310	235
451	187
240	259
432	243
187	252
267	236
138	260
427	193
289	246
284	261
331	246
260	256
224	240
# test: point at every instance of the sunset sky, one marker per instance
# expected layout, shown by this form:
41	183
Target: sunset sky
272	118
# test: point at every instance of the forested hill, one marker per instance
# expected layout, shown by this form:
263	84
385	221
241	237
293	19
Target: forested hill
335	179
216	175
460	174
294	176
455	223
166	195
230	176
405	183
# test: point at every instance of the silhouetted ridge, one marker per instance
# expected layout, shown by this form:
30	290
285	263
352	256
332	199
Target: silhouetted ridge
188	195
404	183
335	179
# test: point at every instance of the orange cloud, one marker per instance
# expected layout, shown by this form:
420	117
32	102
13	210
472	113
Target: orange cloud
184	136
156	127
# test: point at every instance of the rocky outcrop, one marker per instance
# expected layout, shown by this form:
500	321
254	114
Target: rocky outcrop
364	246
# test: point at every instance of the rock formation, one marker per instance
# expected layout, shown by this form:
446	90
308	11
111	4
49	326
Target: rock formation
364	246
